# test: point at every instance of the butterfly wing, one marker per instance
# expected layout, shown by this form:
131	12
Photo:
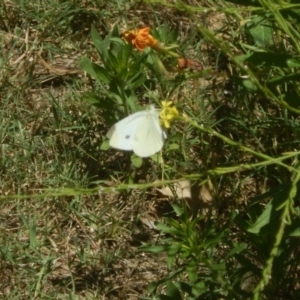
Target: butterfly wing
149	136
121	135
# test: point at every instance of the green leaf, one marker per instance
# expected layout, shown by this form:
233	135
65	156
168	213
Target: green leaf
174	249
263	219
268	59
105	104
284	78
157	158
237	248
153	249
96	71
218	267
164	228
136	81
173	146
294	229
199	288
100	44
113	63
124	55
173	291
261	30
115	31
184	287
178	210
136	160
191	270
105	145
296	232
152	286
170	260
131	101
244	82
92	98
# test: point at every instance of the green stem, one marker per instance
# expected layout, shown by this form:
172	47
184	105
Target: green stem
285	220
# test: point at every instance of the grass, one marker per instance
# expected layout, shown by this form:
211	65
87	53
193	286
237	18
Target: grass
81	221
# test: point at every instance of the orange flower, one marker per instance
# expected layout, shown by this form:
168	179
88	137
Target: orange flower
140	39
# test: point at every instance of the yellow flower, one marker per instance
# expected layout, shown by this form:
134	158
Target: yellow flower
168	113
140	39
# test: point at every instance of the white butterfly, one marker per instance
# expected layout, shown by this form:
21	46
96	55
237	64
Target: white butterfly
139	132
